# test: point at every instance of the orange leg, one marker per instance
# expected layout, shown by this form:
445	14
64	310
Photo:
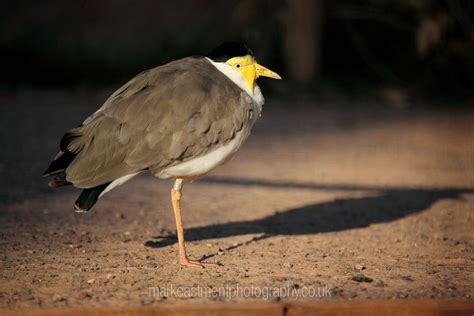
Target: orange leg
175	200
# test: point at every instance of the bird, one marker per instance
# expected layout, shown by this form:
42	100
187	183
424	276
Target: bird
178	121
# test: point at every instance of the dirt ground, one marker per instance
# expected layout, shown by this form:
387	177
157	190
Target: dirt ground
327	201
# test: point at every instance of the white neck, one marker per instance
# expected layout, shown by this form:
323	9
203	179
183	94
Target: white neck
237	78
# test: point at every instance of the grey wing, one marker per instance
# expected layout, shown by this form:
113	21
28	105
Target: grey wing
165	116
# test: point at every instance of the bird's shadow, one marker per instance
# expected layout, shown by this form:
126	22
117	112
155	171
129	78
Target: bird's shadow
384	205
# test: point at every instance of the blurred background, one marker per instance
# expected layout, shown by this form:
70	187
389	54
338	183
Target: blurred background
340	60
402	51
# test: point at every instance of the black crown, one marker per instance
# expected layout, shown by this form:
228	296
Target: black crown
227	50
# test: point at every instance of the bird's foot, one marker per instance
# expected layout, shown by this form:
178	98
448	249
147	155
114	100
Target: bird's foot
185	262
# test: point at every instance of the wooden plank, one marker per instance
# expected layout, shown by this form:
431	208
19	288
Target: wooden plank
376	308
168	309
385	308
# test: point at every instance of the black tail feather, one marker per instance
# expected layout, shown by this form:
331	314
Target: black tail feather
65	157
59	164
89	197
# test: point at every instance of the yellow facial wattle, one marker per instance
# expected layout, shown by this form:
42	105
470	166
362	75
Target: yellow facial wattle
250	70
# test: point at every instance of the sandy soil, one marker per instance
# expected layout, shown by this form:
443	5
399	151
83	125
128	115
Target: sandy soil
327	201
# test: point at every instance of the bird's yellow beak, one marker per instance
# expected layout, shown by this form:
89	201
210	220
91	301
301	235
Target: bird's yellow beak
265	72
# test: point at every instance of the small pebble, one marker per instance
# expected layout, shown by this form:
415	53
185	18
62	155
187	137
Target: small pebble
359	267
147	300
407	278
291	285
71	232
380	283
361	278
243	275
85	295
287	265
59	298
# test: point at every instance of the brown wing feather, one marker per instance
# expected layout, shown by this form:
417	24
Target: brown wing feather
164	116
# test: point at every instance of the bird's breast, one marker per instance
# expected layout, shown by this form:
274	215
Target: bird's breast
202	165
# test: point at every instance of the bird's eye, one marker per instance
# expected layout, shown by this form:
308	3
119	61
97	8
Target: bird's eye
237	66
